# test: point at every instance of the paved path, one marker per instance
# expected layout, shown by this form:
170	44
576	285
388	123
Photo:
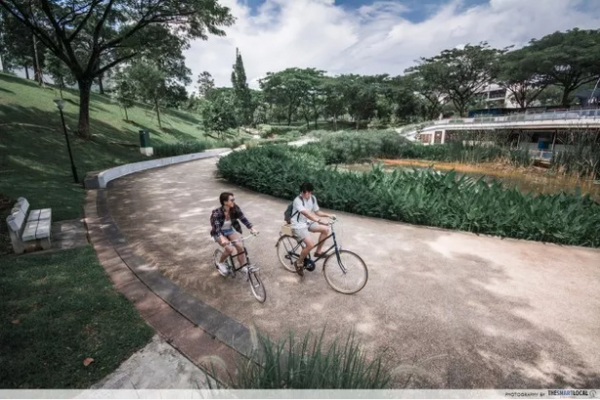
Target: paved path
157	366
471	312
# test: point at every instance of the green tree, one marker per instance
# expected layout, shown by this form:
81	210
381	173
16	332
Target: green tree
115	30
242	95
218	114
157	86
567	59
460	74
124	92
334	103
206	83
60	73
292	88
518	75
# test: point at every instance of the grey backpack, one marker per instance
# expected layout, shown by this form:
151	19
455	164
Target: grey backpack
287	215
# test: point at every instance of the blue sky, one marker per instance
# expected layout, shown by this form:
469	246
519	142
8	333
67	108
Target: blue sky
375	36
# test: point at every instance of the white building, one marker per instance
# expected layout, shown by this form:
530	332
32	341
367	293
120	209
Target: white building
495	96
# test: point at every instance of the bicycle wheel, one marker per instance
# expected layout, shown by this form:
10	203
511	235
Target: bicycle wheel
217	256
347	274
285	252
257	287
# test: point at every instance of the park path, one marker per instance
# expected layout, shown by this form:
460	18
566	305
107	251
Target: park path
469	311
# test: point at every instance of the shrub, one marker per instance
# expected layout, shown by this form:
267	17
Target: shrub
196	146
423	197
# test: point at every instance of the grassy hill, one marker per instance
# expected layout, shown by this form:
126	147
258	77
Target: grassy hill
34	161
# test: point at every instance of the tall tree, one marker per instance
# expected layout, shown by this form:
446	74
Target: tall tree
518	75
117	28
206	83
124	91
460	74
60	73
334	103
242	95
157	85
567	59
218	113
293	88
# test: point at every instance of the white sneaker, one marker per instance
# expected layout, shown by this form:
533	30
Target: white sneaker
245	270
223	269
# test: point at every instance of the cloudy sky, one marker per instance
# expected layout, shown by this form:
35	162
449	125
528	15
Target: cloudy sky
371	37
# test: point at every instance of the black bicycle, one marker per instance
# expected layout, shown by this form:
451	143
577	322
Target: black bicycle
251	271
344	270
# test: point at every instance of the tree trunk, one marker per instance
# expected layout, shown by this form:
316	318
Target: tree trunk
565	98
36	65
85	88
289	116
100	85
60	88
335	123
26	71
157	112
126	116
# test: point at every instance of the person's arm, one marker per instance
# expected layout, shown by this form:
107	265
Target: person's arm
321	213
216	225
245	221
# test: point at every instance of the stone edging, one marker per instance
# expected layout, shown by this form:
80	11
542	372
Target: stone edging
101	180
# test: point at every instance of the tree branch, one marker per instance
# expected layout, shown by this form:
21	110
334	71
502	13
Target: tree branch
93	5
112	64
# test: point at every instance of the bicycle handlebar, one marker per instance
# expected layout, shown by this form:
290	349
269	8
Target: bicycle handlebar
242	238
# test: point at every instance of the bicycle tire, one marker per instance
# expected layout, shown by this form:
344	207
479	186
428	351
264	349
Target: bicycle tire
331	265
283	251
257	287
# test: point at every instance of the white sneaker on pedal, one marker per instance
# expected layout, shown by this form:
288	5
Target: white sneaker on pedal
245	270
223	269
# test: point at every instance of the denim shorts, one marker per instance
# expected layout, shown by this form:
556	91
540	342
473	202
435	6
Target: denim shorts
226	232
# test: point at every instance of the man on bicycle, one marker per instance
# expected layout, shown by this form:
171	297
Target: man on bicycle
224	223
305	219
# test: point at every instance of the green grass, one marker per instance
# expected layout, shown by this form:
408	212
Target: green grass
34	162
57	310
309	363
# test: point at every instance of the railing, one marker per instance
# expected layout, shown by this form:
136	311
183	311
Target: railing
589	114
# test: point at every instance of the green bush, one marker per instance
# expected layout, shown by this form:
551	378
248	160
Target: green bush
310	364
196	146
423	197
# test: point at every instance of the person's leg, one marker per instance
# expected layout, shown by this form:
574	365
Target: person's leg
309	243
239	247
227	250
323	233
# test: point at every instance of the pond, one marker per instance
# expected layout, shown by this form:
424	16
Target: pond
532	179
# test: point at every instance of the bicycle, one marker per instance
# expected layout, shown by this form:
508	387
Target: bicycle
252	276
344	261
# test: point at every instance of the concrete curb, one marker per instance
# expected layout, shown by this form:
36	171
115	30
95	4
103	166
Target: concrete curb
101	180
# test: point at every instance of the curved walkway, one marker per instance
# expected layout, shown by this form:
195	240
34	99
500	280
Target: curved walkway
470	311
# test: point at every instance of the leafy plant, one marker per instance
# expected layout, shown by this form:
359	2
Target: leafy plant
423	197
309	363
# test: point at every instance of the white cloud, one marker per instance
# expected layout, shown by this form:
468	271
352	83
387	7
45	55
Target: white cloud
376	38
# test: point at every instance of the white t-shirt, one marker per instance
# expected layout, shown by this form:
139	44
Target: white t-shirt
299	221
226	225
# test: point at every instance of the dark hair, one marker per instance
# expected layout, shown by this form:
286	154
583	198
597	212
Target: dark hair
307	187
224	197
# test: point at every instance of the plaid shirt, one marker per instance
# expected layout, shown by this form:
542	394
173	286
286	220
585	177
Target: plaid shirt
217	218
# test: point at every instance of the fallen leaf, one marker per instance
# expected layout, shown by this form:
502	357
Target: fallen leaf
16	322
87	361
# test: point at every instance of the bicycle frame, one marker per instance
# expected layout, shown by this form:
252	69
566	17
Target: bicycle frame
323	254
245	252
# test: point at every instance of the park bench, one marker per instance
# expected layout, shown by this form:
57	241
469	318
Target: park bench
29	230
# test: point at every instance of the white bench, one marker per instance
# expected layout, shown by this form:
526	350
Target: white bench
29	231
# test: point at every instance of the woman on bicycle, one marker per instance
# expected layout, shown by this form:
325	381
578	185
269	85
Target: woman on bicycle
224	223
